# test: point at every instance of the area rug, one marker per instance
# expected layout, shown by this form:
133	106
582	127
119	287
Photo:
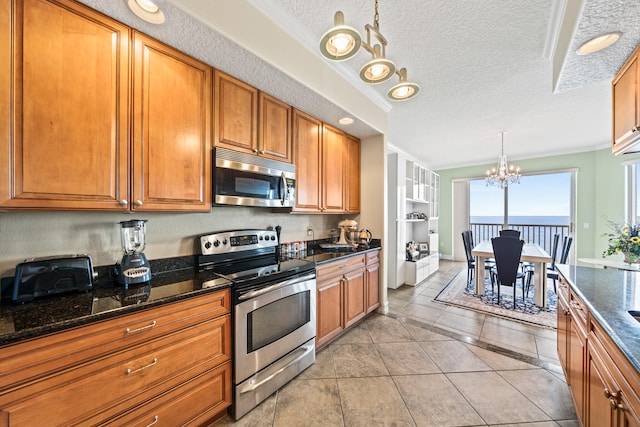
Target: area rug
458	293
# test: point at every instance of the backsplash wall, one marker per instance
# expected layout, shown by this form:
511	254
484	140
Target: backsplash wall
37	234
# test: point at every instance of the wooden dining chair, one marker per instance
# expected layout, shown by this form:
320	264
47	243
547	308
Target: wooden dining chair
507	252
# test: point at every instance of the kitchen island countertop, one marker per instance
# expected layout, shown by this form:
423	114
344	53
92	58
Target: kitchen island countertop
609	295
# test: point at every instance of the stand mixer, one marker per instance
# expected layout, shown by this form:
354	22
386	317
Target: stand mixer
348	232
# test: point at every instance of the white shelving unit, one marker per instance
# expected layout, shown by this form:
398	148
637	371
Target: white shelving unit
416	192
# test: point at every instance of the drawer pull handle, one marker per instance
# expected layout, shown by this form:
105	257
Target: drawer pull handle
129	371
615	405
155	420
133	331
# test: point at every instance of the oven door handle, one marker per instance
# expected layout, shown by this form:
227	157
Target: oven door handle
304	350
257	293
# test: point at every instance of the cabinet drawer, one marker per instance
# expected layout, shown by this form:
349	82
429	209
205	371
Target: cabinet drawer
339	267
129	378
205	395
28	361
373	257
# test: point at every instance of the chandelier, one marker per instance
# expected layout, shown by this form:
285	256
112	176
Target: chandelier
342	42
503	175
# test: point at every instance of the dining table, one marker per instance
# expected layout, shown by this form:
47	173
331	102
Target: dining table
532	253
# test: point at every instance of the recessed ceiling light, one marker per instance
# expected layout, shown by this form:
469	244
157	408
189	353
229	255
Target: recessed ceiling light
345	121
598	43
147	10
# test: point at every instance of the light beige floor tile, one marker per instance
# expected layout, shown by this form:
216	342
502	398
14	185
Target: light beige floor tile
547	348
322	368
359	334
497	401
498	361
540	424
466	325
357	360
480	317
502	323
510	347
426	301
309	403
545	390
260	416
453	356
423	334
421	313
387	329
369	402
513	338
406	359
568	423
433	401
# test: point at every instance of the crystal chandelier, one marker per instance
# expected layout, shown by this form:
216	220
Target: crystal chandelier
503	175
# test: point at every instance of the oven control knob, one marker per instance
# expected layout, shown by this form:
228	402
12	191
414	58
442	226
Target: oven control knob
273	237
216	243
224	242
261	238
207	245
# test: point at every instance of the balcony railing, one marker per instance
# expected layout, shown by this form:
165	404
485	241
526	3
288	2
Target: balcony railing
540	234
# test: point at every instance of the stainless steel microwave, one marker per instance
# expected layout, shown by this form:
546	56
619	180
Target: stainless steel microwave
247	180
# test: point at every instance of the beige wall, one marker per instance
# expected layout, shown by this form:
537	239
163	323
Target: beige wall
37	234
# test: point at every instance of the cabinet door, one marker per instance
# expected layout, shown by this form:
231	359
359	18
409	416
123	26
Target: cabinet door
329	306
372	283
66	144
274	140
625	104
355	302
236	114
332	169
171	129
576	365
599	402
307	142
352	174
563	329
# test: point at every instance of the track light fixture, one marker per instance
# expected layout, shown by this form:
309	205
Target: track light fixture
342	42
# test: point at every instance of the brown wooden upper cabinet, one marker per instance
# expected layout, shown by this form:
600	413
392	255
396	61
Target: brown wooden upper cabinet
274	138
327	167
250	121
352	174
171	129
67	143
626	107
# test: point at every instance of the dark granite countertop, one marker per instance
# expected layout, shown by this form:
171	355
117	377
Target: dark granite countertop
609	294
178	279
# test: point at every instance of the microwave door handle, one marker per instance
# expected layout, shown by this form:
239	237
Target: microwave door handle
283	181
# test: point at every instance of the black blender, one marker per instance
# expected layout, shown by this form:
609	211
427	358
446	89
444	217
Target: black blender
134	267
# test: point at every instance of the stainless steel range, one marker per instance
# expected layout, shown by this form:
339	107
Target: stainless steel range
274	311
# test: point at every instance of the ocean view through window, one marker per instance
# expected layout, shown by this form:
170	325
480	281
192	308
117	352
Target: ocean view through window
539	207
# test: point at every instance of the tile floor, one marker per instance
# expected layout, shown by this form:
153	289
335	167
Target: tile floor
426	364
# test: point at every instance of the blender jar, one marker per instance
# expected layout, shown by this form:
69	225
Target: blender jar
132	233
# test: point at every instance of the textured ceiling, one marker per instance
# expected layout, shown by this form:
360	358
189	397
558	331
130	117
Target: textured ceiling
481	66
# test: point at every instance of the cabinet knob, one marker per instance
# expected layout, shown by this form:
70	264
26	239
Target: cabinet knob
138	202
261	151
615	405
123	202
608	394
255	150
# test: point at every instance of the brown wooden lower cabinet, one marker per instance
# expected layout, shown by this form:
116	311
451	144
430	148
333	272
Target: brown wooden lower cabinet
126	369
347	289
604	385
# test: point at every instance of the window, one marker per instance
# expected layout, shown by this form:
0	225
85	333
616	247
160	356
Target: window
540	206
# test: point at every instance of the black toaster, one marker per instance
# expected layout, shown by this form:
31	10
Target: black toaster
37	277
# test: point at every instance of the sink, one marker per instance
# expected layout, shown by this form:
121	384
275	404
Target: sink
635	314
